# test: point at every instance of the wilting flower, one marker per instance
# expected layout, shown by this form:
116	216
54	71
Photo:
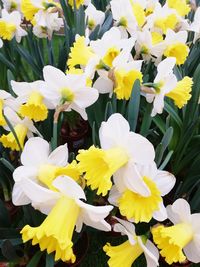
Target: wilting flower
119	148
126	253
183	238
10	26
23	128
42	166
69	90
138	204
65	210
95	17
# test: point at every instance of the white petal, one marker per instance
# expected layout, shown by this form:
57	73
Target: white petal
24	172
18	196
141	150
192	250
165	67
4	95
37	193
161	214
134	181
85	97
69	187
151	253
165	181
121	229
103	85
179	211
195	221
54	77
114	195
59	156
127	225
112	132
36	151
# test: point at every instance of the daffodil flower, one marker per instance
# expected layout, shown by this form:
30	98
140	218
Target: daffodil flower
33	103
195	26
136	204
126	253
10	26
23	128
42	166
182	239
70	89
11	5
120	150
95	17
6	100
65	211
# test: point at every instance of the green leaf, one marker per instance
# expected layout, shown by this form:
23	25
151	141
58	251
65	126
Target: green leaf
166	160
6	62
35	260
163	145
10	77
9	251
4	215
146	121
171	111
108	111
49	260
134	105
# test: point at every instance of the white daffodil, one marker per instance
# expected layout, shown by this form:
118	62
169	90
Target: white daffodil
69	90
65	211
46	23
120	150
32	102
126	253
182	239
109	47
195	26
175	45
93	16
120	79
163	83
30	8
149	44
164	18
42	166
10	26
166	84
11	5
128	14
134	203
6	100
22	127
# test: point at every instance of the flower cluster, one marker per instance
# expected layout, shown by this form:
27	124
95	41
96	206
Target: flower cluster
145	43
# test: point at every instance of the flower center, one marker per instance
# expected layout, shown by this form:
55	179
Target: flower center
7	30
168	22
124	82
140	208
110	55
34	109
171	240
178	50
56	231
67	95
99	165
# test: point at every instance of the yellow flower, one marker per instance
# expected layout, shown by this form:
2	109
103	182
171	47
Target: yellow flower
9	140
2	120
181	6
34	109
178	50
7	30
80	53
124	82
181	94
110	55
156	38
169	22
171	240
28	9
71	170
122	255
99	165
55	233
140	208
